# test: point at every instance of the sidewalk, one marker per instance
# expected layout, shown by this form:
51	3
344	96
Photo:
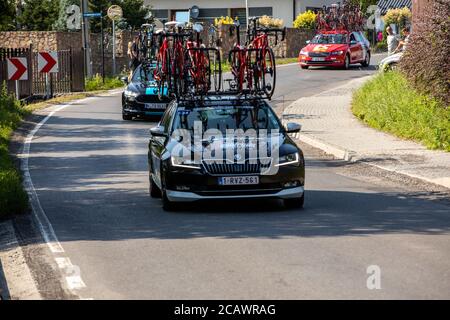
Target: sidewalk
328	124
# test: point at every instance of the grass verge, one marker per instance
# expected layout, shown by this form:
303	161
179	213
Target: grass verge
13	198
96	83
390	104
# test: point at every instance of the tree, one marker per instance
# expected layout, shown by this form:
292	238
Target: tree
305	20
39	14
425	61
7	14
134	13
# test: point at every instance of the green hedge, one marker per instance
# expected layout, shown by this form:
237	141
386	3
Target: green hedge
389	103
96	83
13	199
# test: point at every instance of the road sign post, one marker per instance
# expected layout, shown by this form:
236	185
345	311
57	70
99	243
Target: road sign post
48	64
99	15
114	13
17	70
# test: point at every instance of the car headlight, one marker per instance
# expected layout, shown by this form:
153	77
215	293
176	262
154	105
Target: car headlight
130	95
289	159
337	53
184	163
303	53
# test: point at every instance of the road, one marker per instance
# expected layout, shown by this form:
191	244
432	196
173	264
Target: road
89	169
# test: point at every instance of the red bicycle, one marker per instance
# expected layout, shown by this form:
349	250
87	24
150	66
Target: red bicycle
169	71
261	56
202	65
240	63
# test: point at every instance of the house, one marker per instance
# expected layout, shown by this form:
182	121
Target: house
287	10
385	5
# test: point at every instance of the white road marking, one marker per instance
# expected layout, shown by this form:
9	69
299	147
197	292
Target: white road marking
74	280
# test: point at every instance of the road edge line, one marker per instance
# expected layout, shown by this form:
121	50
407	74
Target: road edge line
38	214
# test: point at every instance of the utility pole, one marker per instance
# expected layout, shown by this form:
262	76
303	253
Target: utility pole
85	38
246	13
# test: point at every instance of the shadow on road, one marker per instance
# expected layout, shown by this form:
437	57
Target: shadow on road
97	190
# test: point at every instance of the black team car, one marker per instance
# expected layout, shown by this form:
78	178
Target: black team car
277	170
140	97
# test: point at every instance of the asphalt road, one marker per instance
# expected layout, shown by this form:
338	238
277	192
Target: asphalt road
89	169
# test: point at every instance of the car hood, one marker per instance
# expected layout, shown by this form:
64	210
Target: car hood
286	146
392	58
149	88
313	47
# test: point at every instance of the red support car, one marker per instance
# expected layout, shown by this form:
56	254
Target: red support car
336	48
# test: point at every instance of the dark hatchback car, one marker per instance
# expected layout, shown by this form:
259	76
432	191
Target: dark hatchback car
140	97
221	166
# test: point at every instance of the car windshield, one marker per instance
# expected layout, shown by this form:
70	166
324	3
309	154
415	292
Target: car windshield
143	74
227	117
329	39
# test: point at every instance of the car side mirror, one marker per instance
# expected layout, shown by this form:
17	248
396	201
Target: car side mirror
158	131
307	41
124	80
353	42
293	127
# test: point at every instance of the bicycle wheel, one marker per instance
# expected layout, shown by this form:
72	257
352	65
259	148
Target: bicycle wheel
236	70
165	83
268	72
177	72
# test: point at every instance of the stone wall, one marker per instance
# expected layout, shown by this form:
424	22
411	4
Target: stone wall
54	41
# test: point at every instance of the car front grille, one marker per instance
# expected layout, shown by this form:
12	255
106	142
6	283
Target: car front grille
145	98
318	54
227	168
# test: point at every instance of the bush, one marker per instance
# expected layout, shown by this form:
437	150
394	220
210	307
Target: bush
390	104
400	17
223	20
305	20
269	22
426	61
96	83
13	198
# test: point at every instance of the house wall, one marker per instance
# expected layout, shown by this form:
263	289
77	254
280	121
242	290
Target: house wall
280	9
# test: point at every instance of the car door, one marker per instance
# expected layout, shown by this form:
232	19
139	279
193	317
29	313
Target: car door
364	44
355	49
157	143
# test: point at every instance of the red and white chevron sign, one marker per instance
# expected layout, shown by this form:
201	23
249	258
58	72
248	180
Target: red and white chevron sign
48	62
17	68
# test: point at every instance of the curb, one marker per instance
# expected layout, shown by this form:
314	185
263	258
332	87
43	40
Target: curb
349	155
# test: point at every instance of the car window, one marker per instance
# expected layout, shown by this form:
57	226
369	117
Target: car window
329	39
227	117
352	37
359	37
143	74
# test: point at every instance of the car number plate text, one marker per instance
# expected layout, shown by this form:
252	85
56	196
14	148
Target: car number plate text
241	180
318	59
155	106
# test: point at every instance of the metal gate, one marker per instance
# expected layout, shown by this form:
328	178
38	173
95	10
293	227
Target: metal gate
69	78
25	86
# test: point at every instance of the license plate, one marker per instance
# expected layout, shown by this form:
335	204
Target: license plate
155	106
227	181
318	59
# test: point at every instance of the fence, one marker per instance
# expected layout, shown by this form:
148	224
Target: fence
25	86
69	78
